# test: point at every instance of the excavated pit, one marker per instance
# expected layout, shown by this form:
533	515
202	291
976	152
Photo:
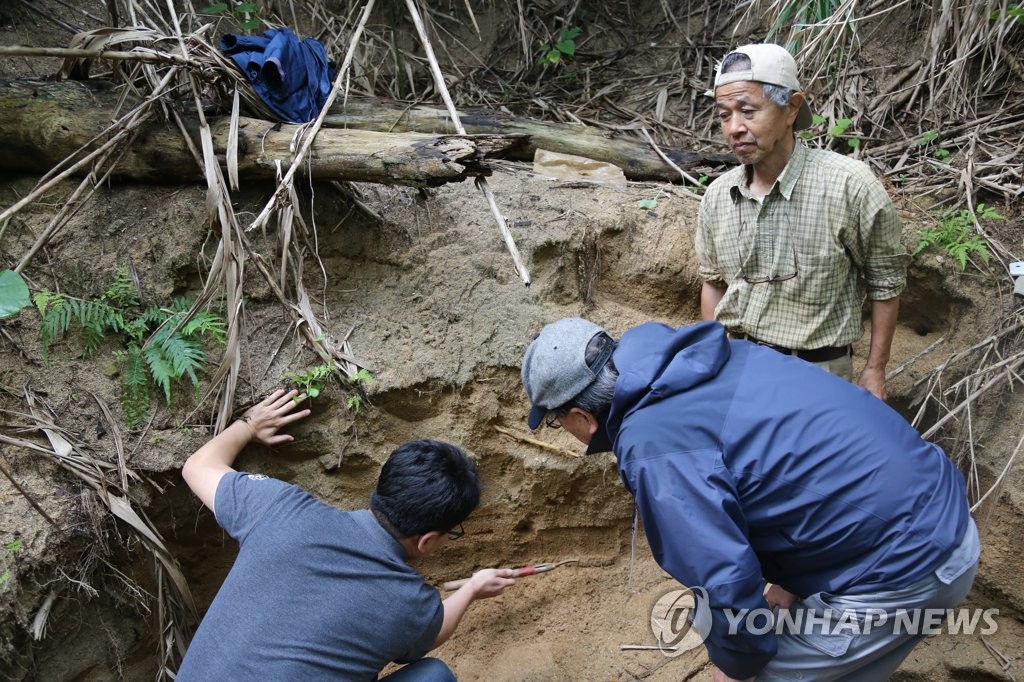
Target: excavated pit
441	320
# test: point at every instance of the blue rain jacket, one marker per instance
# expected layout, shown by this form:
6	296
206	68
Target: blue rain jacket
748	465
292	78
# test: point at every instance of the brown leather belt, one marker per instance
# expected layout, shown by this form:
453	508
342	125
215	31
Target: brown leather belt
810	355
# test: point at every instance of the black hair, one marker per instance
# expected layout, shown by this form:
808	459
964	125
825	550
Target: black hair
426	485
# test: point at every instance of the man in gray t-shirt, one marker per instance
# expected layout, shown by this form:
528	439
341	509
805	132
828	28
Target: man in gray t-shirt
317	593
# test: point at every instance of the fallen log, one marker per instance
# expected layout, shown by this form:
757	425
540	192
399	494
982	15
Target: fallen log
637	159
42	124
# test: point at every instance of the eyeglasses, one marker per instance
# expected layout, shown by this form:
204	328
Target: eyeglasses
775	277
551	421
769	279
456	533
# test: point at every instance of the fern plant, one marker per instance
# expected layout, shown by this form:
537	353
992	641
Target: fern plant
955	233
159	345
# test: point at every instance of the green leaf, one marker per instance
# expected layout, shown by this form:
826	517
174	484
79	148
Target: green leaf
566	47
553	57
647	204
854	142
251	24
926	137
941	154
215	8
570	33
840	127
135	400
13	293
247	8
313	391
15	545
817	119
161	370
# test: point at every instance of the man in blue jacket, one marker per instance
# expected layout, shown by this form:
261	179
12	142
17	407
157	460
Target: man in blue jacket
751	467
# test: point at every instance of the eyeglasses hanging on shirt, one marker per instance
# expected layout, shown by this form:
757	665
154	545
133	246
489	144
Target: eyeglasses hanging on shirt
780	271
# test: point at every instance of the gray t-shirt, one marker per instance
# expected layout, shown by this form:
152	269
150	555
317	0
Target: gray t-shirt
315	593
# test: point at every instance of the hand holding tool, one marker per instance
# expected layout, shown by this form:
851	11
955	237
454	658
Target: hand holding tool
516	573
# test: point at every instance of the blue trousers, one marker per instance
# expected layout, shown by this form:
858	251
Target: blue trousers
856	655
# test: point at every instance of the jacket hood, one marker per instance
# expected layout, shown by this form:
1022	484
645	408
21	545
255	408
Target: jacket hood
656	361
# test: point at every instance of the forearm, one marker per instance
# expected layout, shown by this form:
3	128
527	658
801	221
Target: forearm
710	295
208	464
883	327
222	449
454	609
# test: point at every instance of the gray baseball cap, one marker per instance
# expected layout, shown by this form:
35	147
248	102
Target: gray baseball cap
772	64
555	366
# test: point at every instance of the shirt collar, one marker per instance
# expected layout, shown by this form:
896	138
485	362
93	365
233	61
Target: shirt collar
786	181
791	173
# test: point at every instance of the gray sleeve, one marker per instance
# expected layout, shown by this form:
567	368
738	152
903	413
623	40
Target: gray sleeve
433	610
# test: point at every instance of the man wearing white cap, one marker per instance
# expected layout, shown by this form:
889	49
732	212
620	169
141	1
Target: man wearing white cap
789	240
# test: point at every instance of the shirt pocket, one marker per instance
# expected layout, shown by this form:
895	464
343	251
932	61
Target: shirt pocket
820	626
819	279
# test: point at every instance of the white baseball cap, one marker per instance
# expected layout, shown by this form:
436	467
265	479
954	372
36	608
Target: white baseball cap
772	64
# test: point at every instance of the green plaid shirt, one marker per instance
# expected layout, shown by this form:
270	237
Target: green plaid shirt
794	266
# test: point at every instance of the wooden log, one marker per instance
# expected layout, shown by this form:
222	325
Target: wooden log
41	124
637	159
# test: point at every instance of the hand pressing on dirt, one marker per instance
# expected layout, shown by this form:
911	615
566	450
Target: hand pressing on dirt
204	469
275	411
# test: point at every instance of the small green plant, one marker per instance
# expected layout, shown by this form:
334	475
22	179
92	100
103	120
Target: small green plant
311	382
247	11
838	131
816	120
13	548
565	47
355	401
13	293
647	204
159	345
955	233
1016	13
805	13
927	138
